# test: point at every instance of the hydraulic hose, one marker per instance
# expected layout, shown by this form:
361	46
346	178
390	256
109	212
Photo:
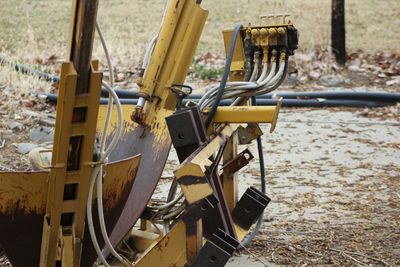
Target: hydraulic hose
260	220
225	76
97	172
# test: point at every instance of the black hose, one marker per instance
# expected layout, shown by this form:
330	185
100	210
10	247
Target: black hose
30	71
122	93
366	96
260	220
313	103
132	93
329	95
225	76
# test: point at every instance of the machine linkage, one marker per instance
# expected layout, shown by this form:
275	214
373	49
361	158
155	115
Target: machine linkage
203	221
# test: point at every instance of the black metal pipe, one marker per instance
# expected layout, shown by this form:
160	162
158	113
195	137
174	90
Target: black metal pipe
366	96
133	93
315	103
270	102
123	93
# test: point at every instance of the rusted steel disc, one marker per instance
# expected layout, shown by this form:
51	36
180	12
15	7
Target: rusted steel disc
152	143
23	204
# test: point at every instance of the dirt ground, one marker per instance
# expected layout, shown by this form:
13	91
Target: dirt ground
333	177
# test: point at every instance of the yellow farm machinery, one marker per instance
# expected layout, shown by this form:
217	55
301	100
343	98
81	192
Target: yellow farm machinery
93	201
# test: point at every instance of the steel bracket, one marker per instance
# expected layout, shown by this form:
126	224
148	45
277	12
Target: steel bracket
249	208
248	134
217	250
199	209
188	138
239	162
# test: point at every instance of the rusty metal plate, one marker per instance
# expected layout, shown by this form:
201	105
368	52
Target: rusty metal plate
23	205
239	162
153	143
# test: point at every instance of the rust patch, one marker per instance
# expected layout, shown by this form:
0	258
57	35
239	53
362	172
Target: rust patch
113	206
192	180
21	226
21	236
137	140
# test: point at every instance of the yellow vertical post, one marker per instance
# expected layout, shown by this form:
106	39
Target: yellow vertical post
194	240
229	180
73	147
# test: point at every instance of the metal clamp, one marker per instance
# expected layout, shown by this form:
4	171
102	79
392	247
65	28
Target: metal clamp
249	208
217	250
239	162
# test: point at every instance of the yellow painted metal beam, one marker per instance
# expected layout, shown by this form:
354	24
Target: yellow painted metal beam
169	251
191	173
230	180
247	114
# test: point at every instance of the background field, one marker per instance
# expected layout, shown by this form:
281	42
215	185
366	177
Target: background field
38	29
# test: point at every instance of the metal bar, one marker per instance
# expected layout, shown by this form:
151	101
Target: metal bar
223	210
191	173
81	42
73	144
186	140
238	162
246	114
229	178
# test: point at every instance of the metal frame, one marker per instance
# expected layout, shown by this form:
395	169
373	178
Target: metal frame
75	133
190	242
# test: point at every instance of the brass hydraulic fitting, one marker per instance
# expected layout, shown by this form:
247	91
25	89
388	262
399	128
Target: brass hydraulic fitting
265	55
264	40
281	30
272	32
263	33
254	34
273	55
282	56
138	115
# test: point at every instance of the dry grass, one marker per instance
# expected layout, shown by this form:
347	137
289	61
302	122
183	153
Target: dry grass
38	28
33	31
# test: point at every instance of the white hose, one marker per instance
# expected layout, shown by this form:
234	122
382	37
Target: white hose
149	51
97	173
89	216
237	89
264	73
240	100
103	159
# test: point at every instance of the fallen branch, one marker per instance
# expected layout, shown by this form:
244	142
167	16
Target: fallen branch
296	248
361	255
353	259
